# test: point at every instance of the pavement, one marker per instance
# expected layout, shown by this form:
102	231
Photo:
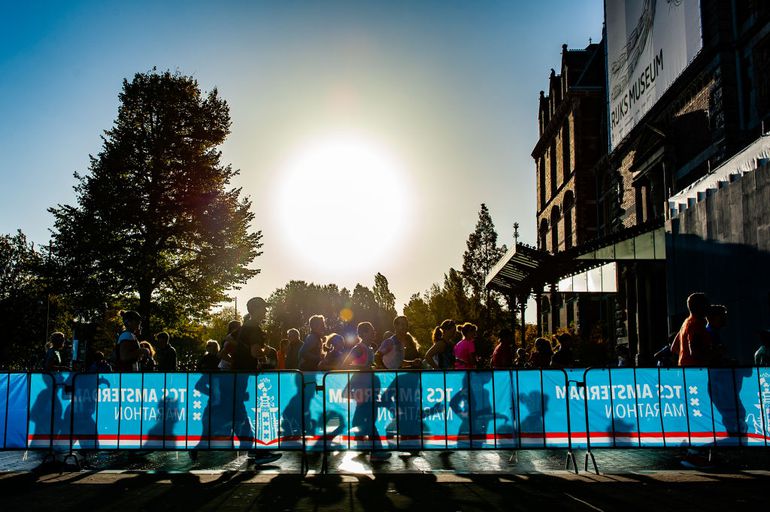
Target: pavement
451	481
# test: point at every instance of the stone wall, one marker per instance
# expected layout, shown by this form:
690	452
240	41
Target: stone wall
721	246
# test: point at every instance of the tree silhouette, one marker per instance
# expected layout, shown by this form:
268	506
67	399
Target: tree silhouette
482	254
156	220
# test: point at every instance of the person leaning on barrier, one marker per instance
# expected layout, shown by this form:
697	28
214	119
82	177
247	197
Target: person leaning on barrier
692	344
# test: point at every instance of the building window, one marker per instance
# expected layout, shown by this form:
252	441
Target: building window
555	229
541	178
569	206
565	147
553	169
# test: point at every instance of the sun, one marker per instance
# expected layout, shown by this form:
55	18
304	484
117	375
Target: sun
343	204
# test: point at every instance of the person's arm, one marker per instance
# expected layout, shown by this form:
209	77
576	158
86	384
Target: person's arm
131	351
436	348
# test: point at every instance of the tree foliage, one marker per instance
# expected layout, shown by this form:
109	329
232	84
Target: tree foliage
28	309
156	220
292	306
482	254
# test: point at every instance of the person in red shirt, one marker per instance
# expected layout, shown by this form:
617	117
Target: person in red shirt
692	345
502	357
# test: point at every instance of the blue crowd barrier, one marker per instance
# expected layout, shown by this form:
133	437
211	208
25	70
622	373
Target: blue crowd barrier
408	410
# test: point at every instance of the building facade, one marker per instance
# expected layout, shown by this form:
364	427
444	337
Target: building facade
571	120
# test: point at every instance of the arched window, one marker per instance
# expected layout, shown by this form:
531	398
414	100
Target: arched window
555	229
543	235
552	158
565	151
569	206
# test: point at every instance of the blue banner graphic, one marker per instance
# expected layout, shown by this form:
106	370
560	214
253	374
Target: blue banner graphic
387	410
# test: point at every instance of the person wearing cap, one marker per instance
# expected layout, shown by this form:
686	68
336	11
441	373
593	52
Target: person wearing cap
129	352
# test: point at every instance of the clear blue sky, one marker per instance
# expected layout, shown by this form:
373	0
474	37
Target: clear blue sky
449	87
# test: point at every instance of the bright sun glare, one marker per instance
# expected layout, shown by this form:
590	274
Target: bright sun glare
343	204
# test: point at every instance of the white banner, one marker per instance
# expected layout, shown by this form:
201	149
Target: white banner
649	44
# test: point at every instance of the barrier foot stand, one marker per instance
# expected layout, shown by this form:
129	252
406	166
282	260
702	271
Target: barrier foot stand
514	458
50	458
304	467
593	461
75	460
325	464
571	460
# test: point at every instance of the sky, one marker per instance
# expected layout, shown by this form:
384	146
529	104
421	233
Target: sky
441	94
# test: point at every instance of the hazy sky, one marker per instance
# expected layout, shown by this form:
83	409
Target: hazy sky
447	89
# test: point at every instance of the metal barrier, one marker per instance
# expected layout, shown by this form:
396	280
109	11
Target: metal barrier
390	410
413	410
33	421
671	407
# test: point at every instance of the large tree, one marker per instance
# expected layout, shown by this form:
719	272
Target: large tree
481	255
157	221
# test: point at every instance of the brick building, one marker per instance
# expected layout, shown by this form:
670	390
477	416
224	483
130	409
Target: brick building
572	140
603	196
715	108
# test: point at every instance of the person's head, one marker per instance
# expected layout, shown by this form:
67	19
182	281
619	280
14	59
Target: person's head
366	332
717	316
469	330
132	320
505	336
233	326
292	335
449	329
764	337
257	308
542	346
147	346
212	347
387	334
335	343
698	304
317	324
400	325
99	356
520	353
57	340
437	335
564	339
161	339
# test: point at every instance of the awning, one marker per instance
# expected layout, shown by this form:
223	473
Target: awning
587	268
517	271
747	160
